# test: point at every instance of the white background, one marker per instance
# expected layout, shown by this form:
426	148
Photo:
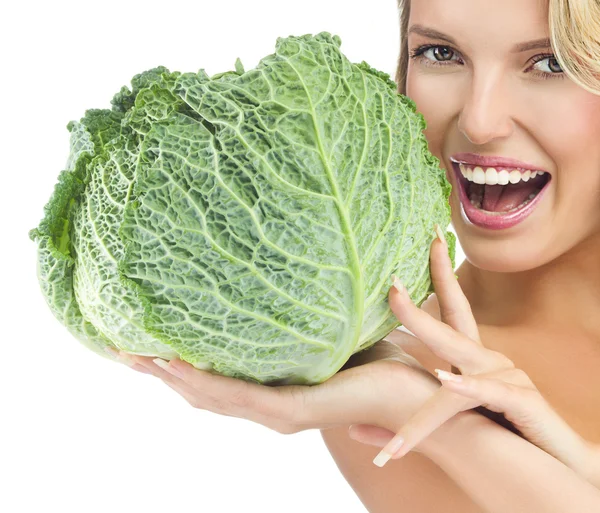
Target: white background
81	433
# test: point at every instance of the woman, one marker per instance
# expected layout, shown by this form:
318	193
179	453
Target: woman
520	322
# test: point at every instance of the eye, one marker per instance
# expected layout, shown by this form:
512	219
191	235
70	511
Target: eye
436	55
547	64
441	53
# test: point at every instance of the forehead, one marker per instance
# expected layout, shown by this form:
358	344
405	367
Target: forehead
497	23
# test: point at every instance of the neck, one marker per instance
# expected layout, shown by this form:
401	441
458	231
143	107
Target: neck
564	293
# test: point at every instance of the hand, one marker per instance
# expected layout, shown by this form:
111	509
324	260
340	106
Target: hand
489	378
360	393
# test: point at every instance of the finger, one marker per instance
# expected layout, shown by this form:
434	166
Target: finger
172	378
445	404
496	391
370	435
204	401
455	309
188	394
235	397
439	408
140	368
177	384
121	358
530	413
443	340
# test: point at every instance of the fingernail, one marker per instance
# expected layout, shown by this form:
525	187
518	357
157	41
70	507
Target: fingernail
382	458
448	376
170	369
440	234
388	451
398	284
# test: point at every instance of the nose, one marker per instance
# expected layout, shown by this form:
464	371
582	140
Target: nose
486	114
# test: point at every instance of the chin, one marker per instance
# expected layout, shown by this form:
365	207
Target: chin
515	252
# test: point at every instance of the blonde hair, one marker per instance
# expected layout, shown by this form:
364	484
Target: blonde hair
574	35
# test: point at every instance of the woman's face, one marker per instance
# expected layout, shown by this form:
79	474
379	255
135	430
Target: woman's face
480	96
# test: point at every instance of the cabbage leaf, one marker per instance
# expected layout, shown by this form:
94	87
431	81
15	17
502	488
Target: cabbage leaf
247	222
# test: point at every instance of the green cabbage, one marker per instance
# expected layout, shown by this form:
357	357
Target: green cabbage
247	222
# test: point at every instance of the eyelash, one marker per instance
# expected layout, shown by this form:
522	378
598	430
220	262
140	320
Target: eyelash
417	53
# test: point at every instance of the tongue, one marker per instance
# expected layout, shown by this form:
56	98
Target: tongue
502	198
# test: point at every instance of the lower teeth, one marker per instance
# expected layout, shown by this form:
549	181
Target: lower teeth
477	203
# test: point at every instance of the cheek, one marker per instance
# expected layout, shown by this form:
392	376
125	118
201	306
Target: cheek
438	103
571	133
571	124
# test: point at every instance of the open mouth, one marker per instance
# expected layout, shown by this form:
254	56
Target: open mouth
500	198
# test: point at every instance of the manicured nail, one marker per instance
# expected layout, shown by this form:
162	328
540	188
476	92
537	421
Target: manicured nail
382	458
169	368
440	234
398	284
448	376
388	451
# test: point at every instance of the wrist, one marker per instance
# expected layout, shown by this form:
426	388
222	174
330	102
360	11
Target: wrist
451	435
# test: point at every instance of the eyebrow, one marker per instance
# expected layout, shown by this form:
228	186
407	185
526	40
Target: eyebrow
520	47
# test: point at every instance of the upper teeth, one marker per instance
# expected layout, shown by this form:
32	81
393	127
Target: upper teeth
493	177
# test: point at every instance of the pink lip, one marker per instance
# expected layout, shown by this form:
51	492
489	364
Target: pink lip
480	160
489	221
